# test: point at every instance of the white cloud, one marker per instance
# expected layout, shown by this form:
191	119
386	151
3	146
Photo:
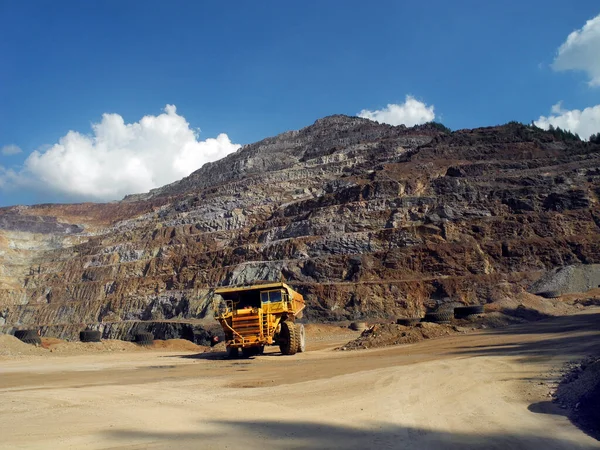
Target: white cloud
584	123
119	158
3	177
411	112
557	109
581	51
10	150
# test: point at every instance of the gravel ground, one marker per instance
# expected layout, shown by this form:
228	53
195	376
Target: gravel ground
11	347
522	308
466	391
579	394
383	335
576	278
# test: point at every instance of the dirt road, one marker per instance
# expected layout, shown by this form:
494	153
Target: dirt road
480	390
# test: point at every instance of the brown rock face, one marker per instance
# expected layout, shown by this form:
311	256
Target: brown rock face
366	220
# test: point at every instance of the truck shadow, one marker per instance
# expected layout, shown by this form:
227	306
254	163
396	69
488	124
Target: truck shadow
211	356
309	435
219	356
547	407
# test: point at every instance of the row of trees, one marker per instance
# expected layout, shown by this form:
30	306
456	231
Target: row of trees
564	135
557	132
567	135
440	126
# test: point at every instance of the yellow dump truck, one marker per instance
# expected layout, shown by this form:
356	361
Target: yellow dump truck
258	315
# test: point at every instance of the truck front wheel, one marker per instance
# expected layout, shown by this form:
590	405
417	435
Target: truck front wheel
288	340
300	338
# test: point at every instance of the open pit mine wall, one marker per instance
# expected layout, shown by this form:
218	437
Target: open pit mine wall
365	220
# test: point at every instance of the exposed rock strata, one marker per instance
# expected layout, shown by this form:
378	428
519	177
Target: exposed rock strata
365	219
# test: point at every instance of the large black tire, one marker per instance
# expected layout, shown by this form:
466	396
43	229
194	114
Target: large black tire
26	334
144	338
358	326
288	341
450	306
408	321
438	317
464	311
550	294
90	336
471	317
300	338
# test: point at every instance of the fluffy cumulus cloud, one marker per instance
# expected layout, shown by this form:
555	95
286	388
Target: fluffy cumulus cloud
120	158
12	149
584	123
581	51
411	112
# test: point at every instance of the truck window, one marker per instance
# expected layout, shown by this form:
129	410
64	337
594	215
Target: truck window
264	297
275	296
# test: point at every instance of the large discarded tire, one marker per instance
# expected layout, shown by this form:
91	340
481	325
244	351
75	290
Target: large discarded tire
288	341
408	321
358	326
28	336
463	311
438	317
550	294
90	336
300	338
144	338
471	317
449	307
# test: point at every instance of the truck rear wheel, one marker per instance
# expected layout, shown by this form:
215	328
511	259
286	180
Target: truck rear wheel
288	341
301	338
233	352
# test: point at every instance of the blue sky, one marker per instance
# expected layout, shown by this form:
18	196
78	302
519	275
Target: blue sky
254	69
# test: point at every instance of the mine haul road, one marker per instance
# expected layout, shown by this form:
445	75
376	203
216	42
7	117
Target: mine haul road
487	389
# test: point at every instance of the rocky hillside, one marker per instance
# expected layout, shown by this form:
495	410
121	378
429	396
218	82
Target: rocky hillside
365	219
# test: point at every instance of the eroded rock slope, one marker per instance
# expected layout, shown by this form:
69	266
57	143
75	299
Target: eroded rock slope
365	219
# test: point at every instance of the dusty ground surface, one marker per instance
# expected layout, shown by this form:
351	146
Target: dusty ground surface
485	389
522	308
11	347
